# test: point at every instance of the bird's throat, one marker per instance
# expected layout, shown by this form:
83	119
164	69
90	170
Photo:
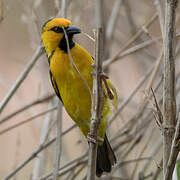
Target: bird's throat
63	45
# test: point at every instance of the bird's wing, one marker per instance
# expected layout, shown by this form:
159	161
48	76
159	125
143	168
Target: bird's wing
54	84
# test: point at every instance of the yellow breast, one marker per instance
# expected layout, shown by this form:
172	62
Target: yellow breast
73	91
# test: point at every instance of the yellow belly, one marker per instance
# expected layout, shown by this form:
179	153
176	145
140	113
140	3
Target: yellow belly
74	93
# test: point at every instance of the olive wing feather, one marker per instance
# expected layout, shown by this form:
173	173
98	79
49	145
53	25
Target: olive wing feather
54	84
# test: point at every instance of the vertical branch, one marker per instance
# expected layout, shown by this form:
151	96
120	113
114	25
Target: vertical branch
63	10
96	107
58	149
99	14
58	142
169	102
39	162
174	152
113	19
100	23
160	9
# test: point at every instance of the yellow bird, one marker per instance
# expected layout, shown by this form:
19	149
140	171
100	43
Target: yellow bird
71	89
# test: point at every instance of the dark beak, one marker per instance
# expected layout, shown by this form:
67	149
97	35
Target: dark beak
72	30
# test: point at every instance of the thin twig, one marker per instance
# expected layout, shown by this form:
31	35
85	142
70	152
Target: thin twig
74	65
131	50
133	161
144	102
134	49
71	165
58	148
113	19
129	42
154	73
131	95
160	10
62	172
78	172
27	120
129	16
39	162
25	107
35	153
141	152
63	9
22	76
148	86
133	144
158	170
154	151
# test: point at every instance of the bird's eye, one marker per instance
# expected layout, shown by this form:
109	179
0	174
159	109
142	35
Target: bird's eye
57	29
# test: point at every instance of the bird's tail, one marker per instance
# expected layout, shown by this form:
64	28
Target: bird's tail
105	158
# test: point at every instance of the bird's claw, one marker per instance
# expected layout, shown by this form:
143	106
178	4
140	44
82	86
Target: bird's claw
94	139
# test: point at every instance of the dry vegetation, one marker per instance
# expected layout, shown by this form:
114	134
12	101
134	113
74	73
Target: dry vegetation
38	139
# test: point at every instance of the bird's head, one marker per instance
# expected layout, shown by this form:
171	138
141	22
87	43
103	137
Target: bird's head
53	33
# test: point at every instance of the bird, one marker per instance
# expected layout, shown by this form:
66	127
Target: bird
69	84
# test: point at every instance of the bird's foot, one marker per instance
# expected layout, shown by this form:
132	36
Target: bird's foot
104	77
91	138
94	139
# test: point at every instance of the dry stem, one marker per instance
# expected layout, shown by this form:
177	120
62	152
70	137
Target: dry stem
96	107
169	101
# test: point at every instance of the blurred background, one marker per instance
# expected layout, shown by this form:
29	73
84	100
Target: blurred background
133	34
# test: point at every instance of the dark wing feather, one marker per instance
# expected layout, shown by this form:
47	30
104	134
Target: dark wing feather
105	158
54	84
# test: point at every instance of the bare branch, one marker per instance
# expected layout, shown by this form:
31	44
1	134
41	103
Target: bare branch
127	100
74	65
113	18
22	76
169	101
174	152
71	165
160	10
129	42
39	162
97	105
148	86
63	10
27	120
154	151
25	107
35	153
58	148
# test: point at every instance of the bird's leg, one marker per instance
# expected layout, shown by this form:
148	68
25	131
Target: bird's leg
94	139
104	77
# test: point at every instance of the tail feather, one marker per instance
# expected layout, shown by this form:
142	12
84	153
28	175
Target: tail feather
105	158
